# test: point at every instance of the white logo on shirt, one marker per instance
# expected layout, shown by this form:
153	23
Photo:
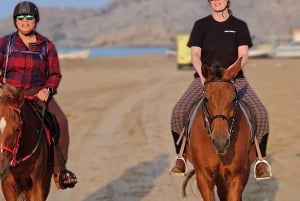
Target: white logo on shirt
229	31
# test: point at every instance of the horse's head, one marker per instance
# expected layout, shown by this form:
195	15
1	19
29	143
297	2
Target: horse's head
11	100
219	103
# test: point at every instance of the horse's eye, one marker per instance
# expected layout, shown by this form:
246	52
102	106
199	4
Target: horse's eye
234	100
17	131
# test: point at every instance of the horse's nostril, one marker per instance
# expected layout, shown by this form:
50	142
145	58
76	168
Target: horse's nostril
214	141
227	142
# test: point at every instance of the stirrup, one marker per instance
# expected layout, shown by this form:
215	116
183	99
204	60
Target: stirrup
65	179
174	165
268	169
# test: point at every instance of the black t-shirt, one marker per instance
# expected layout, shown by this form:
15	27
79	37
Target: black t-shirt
219	41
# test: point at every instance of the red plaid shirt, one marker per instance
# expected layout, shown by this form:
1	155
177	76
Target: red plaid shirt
28	66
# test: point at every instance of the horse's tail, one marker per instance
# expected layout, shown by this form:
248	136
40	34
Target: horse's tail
186	180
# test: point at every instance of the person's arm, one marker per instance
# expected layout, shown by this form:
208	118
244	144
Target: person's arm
196	61
54	74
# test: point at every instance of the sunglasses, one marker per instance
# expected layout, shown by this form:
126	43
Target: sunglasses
27	16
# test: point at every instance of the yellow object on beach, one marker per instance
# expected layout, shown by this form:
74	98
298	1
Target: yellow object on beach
183	52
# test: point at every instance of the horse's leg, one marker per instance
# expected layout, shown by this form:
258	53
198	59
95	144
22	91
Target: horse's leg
238	183
9	192
38	193
235	188
205	186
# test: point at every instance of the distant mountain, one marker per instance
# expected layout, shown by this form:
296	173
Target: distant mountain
140	23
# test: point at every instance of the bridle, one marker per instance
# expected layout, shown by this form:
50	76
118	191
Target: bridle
13	151
208	119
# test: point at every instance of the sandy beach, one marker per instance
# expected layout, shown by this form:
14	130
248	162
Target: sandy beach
119	117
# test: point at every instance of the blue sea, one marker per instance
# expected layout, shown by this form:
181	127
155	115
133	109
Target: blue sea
114	52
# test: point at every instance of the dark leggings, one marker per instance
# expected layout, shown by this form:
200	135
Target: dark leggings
63	141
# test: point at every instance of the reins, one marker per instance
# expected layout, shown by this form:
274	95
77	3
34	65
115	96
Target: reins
14	161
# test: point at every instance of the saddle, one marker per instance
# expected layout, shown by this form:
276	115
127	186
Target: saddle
184	135
250	116
51	125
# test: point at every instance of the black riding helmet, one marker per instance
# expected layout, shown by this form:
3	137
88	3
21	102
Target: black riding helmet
26	7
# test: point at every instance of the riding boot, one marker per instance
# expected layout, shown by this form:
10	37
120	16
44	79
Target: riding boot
262	168
180	162
175	139
263	145
64	179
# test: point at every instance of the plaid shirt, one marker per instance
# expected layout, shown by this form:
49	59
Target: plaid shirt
30	66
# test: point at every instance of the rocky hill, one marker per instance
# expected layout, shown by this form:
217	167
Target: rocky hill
140	23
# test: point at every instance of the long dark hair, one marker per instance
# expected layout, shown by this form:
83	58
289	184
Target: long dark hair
228	5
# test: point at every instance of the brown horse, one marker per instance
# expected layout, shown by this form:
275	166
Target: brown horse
220	147
26	158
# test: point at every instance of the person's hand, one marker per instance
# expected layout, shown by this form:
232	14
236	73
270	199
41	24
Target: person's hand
202	80
43	95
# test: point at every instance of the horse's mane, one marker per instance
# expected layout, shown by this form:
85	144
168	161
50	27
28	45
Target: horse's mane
217	69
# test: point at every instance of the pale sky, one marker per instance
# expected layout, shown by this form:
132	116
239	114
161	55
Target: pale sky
7	6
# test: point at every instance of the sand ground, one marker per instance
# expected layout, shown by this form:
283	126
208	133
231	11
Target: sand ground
119	114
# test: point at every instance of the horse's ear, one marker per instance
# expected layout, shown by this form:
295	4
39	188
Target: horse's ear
17	93
206	71
232	72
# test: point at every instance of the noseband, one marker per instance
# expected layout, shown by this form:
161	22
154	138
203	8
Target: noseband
208	119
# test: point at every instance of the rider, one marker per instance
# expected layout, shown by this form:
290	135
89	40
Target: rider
224	38
29	60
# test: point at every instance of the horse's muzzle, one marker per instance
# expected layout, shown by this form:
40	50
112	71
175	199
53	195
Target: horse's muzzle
221	145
